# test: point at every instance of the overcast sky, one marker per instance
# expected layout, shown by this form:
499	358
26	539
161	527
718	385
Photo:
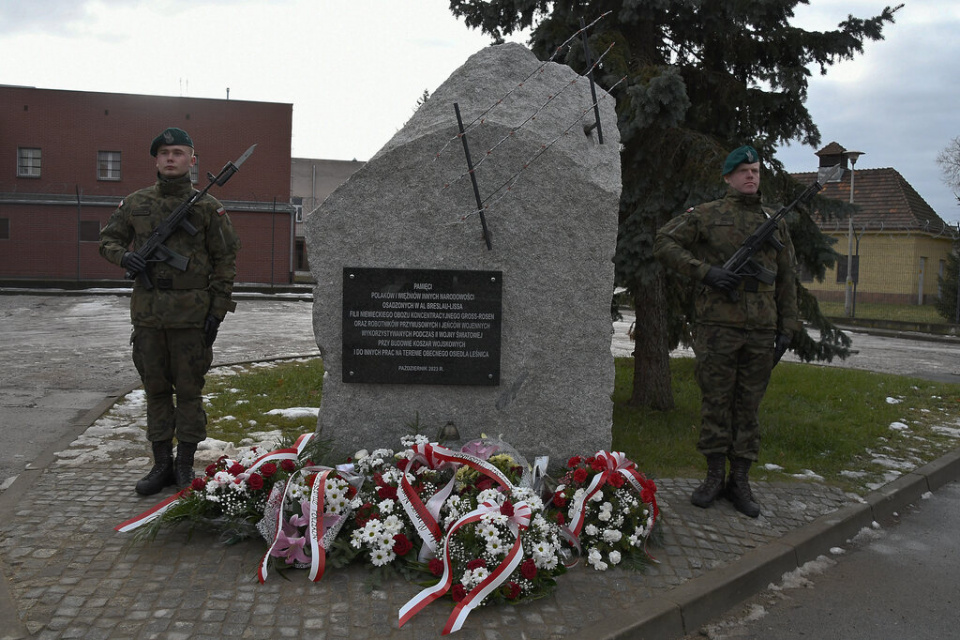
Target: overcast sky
354	69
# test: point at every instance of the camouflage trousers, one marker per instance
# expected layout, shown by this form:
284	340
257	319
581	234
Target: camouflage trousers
733	369
173	362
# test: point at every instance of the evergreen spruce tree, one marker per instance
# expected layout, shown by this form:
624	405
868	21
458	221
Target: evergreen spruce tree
693	79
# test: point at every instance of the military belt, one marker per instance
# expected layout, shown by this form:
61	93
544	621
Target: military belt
182	282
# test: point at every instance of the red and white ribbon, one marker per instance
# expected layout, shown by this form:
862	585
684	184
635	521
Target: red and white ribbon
151	514
517	522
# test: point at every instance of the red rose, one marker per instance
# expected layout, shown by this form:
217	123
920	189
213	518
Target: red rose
211	470
511	590
236	469
484	483
198	484
477	563
436	567
401	544
458	592
506	509
255	481
351	491
646	495
528	569
616	480
387	493
560	519
267	469
574	461
580	475
288	465
597	464
559	500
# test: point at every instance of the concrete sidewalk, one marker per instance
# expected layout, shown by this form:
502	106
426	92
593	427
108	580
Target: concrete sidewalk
68	574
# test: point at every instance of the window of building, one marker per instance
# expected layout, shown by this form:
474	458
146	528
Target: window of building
28	162
4	228
297	203
108	165
89	231
842	269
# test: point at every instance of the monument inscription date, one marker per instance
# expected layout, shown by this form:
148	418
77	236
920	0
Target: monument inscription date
421	326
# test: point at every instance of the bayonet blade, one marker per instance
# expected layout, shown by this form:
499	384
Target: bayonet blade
246	154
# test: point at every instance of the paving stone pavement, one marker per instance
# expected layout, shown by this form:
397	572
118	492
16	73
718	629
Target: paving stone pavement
73	576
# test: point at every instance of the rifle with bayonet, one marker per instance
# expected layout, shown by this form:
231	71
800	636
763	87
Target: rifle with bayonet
742	262
154	249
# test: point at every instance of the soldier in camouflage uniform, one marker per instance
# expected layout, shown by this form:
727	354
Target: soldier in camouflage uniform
738	341
176	322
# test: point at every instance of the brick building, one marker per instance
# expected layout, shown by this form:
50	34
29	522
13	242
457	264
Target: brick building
67	158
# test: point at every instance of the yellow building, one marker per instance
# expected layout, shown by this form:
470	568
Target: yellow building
899	243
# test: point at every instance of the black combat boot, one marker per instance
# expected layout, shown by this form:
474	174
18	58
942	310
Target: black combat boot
183	467
738	488
161	475
711	488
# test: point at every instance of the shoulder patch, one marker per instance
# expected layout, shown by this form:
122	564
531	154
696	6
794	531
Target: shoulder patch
221	211
690	210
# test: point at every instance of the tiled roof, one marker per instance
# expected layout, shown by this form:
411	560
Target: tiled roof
885	200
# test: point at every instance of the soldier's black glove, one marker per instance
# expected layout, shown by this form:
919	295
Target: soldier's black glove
780	345
721	279
210	328
133	262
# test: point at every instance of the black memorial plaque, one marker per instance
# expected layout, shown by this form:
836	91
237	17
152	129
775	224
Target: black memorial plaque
421	326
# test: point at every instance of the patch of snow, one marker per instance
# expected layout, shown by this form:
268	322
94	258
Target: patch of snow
798	577
772	467
295	412
893	400
838	551
807	474
899	426
950	432
856	475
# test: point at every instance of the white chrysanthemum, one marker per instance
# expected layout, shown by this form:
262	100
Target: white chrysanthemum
606	506
611	535
591	530
495	546
372	530
597	497
614	557
392	524
380	557
594	555
490	495
604	516
356	538
489	530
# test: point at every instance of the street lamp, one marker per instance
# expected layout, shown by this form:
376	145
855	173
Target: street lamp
848	302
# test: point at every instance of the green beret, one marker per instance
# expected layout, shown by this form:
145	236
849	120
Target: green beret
746	153
170	135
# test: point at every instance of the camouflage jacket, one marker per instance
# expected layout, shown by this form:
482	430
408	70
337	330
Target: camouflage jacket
178	299
708	235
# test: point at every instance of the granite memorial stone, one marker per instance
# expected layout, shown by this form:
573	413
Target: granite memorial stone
423	326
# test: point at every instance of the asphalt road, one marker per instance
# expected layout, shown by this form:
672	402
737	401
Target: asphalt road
898	581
